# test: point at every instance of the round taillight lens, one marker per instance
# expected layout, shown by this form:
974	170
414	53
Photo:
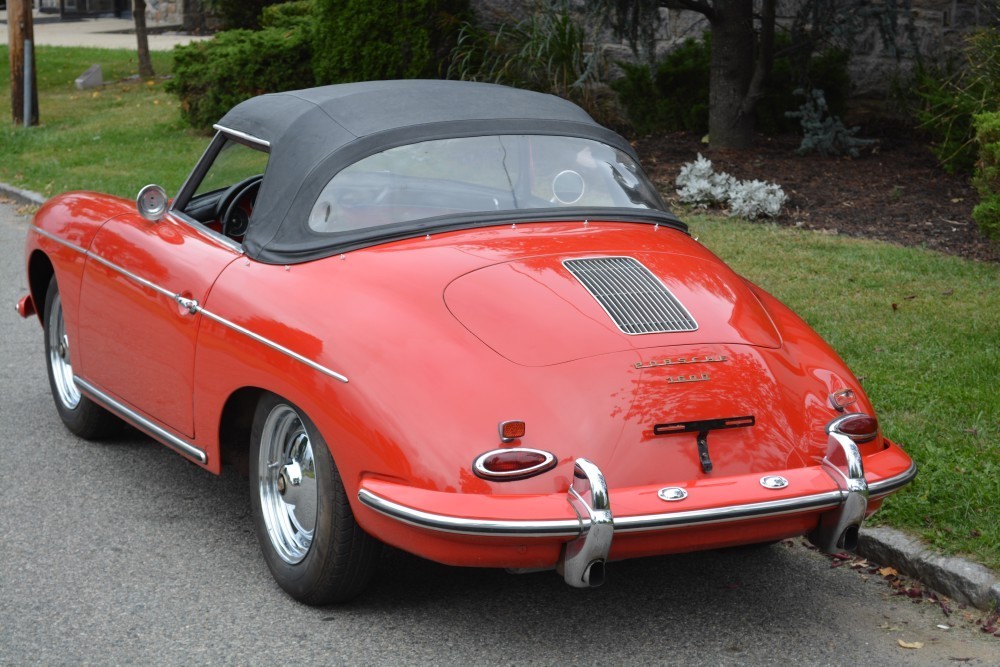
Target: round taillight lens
859	427
514	463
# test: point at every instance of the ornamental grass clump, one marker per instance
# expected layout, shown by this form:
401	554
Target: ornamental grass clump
700	186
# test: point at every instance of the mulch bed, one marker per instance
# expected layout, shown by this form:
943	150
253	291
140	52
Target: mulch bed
895	191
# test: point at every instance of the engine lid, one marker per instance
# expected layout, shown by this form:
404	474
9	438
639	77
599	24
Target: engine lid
539	311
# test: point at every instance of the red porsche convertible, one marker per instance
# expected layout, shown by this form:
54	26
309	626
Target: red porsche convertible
455	318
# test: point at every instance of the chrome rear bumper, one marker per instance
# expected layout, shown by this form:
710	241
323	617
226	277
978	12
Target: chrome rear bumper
591	532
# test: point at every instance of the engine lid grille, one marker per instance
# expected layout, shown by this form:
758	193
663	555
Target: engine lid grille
637	301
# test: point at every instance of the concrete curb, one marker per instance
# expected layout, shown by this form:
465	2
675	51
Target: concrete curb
959	579
21	196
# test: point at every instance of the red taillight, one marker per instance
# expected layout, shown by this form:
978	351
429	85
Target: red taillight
515	463
858	426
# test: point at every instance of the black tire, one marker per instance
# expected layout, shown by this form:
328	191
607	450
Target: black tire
295	486
81	415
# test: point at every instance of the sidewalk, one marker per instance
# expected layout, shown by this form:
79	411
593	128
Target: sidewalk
101	33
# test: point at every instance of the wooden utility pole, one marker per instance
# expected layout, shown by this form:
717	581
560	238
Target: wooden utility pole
20	40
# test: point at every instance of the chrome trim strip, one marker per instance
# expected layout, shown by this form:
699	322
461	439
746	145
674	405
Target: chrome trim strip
729	513
161	434
463	526
242	135
128	274
271	344
557	528
62	242
193	308
886	486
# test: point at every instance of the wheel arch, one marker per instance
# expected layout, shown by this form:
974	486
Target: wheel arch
235	424
40	272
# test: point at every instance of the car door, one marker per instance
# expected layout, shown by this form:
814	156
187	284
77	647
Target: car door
137	332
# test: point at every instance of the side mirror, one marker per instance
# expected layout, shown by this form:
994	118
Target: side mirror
152	202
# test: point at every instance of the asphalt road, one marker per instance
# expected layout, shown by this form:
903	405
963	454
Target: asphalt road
122	552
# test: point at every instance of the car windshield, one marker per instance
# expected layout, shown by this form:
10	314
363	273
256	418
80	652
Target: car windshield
480	175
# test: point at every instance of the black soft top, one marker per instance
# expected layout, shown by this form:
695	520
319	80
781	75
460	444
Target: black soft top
312	134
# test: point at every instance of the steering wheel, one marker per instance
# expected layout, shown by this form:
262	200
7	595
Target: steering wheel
225	209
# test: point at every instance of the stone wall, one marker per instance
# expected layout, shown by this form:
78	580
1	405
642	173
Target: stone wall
164	13
939	31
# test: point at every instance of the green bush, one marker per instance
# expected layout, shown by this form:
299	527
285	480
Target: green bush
547	52
987	177
211	77
363	40
676	95
295	14
951	101
241	14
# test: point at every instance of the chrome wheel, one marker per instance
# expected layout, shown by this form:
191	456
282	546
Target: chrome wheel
62	370
286	477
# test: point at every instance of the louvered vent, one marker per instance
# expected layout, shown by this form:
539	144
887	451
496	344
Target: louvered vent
634	298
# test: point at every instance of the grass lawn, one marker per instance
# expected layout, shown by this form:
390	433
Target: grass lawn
114	139
922	329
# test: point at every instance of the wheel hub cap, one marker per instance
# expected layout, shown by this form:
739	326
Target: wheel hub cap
287	484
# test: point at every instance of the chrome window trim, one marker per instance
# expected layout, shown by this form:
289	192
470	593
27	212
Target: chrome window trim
172	441
208	231
242	135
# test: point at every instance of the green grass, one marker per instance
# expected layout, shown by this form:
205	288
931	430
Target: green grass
113	139
923	331
931	363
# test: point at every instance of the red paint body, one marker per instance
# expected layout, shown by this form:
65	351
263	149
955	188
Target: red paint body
444	337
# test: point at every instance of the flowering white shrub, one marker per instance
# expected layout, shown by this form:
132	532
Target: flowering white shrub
752	199
699	185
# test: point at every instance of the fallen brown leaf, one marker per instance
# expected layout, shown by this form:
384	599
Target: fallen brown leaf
910	644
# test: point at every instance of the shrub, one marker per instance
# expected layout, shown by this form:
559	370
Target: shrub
547	52
987	177
951	101
699	185
211	77
241	14
823	132
297	14
362	40
675	96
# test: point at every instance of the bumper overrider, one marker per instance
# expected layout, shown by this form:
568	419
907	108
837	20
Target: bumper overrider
588	536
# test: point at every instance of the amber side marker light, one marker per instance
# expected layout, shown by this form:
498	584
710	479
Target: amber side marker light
859	427
511	430
511	464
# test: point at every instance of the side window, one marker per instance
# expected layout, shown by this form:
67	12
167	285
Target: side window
225	197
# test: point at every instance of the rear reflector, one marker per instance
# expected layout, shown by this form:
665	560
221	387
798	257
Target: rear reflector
511	464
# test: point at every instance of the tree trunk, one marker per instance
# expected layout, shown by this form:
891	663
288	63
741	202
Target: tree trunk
139	16
19	30
730	120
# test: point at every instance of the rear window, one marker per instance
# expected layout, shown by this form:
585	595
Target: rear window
480	175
